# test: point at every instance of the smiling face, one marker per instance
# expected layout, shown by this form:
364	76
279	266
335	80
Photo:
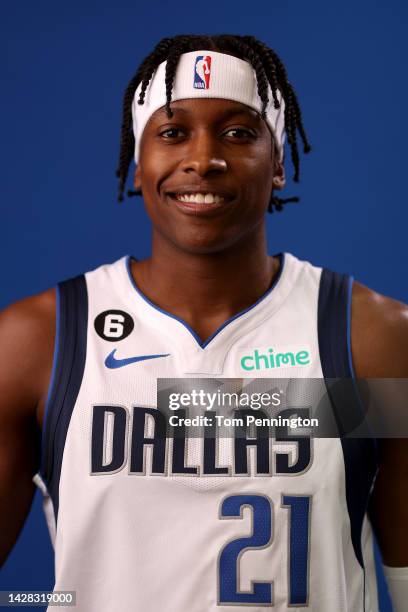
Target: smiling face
207	173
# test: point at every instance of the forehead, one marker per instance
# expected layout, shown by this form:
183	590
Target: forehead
215	109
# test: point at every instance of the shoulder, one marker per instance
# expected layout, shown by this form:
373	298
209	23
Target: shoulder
379	334
28	318
27	332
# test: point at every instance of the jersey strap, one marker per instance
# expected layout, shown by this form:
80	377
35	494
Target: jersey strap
68	368
360	454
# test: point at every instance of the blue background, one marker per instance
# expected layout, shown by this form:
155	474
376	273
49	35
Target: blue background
64	67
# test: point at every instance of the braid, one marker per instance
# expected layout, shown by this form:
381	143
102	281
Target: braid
262	82
269	70
269	65
148	66
171	66
277	203
182	45
290	120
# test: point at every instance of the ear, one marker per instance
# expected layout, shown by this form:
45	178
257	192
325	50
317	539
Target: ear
279	178
137	179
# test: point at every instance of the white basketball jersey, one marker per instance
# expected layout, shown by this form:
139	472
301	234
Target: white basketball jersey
145	524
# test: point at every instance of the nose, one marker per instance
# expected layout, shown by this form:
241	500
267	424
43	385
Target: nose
203	155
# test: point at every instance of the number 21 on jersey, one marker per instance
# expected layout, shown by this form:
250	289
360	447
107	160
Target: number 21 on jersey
299	508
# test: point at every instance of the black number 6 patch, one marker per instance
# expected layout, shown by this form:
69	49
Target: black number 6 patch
114	325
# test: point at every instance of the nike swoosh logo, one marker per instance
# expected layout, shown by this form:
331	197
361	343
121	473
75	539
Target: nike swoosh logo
111	362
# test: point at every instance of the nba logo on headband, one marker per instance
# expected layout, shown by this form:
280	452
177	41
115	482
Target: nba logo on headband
202	72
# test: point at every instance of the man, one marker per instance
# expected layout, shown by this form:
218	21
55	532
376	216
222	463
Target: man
141	523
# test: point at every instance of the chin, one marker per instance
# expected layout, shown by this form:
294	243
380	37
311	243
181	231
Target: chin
204	245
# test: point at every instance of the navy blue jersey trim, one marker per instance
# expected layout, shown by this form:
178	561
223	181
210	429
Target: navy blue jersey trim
332	325
280	256
68	369
349	354
54	362
360	454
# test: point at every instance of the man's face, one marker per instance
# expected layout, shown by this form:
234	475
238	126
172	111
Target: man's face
209	146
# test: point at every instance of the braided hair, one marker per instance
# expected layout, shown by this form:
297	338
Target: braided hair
268	68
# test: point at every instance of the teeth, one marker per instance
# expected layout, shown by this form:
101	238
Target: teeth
199	198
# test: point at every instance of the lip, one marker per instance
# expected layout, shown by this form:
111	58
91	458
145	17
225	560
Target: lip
200	210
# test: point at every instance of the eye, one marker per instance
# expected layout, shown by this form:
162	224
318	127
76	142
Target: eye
170	133
240	133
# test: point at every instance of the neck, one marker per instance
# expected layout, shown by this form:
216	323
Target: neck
206	289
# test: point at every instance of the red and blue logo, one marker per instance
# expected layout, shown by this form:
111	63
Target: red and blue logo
202	72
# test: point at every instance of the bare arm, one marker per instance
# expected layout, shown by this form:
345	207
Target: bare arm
380	350
26	351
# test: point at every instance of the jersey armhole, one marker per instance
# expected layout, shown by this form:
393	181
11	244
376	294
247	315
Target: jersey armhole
360	453
52	382
349	351
66	378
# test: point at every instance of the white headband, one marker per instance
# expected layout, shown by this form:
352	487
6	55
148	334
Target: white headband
207	74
